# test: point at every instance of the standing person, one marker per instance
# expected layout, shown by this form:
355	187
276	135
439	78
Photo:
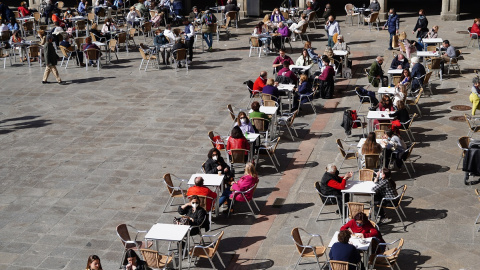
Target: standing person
189	38
343	251
93	263
384	187
475	95
51	58
327	79
422	25
332	184
393	24
208	27
332	28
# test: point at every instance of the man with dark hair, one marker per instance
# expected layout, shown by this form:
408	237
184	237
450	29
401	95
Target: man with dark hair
200	190
256	111
51	59
343	251
447	55
286	72
278	62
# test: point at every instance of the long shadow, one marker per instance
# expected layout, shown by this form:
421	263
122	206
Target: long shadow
232	243
231	59
91	79
19	118
411	259
434	103
255	263
5	129
421	169
361	42
445	91
414	215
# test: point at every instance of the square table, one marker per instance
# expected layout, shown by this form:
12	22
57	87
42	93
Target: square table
393	72
428	54
378	115
169	233
210	180
251	137
357	187
385	91
288	89
362	246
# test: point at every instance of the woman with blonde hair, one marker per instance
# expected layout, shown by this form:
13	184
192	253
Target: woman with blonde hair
247	181
131	16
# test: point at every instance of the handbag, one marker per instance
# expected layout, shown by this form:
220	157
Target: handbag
395	41
181	220
218	142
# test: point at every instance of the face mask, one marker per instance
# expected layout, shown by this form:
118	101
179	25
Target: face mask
214	157
421	16
194	205
390	14
359	225
108	23
69	12
243	120
276	12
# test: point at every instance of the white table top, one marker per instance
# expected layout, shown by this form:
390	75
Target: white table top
357	242
77	18
432	40
213	180
362	141
288	87
379	115
395	71
300	67
251	137
386	90
167	232
26	18
427	53
99	43
359	187
340	52
267	110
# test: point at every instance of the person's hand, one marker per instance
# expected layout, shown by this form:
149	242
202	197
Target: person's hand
128	266
350	230
231	189
413	32
225	170
399	67
397	32
219	167
349	175
383	28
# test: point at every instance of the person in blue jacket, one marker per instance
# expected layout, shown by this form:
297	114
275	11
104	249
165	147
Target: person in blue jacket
343	251
393	24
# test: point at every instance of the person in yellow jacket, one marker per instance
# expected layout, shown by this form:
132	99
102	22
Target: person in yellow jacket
475	95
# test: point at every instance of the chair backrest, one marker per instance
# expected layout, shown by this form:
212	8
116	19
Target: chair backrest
402	47
435	63
181	54
143	54
270	103
92	54
91	17
396	80
384	126
101	12
37	16
349	9
131	33
292	118
427	78
155	259
379	133
122	37
122	232
211	135
372	161
113	45
297	239
28	26
34	50
392	254
404	189
232	15
355	208
304	28
272	150
259	123
147	26
366	175
478	193
464	142
5	36
81	25
216	245
311	16
254	42
340	147
431	48
94	38
338	265
64	51
373	17
266	97
203	200
285	15
79	41
409	151
167	178
152	13
238	155
230	110
468	118
418	96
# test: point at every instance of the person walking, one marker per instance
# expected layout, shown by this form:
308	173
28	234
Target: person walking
208	28
51	58
393	24
332	28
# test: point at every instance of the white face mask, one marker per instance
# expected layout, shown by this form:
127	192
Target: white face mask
276	12
194	205
243	120
214	157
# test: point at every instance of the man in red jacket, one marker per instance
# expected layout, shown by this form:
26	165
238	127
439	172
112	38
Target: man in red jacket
200	190
260	82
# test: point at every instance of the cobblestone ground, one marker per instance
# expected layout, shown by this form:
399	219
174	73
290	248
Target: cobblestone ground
78	160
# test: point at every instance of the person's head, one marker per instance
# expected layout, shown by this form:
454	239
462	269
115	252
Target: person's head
415	60
286	64
403	89
214	154
340	39
325	60
446	43
344	236
280	25
236	132
303	16
384	173
400	57
389	133
132	8
270	81
360	218
406	73
331	168
303	78
131	257
12	20
49	38
371	138
195	201
23	3
328	6
168	26
108	20
198	181
88	40
307	45
195	9
331	18
400	105
304	52
379	60
93	263
386	101
476	82
158	32
263	75
250	170
391	12
476	21
435	28
255	106
309	4
275	11
421	13
242	119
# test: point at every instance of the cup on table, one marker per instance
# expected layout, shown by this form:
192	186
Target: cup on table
219	172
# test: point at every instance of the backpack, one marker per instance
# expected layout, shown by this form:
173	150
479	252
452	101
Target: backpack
209	19
161	39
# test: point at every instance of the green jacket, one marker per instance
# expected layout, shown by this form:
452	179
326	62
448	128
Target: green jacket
375	70
51	56
259	115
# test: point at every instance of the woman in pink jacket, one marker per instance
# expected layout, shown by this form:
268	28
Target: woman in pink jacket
244	183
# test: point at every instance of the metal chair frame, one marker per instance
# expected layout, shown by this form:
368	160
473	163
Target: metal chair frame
395	206
235	192
308	247
328	198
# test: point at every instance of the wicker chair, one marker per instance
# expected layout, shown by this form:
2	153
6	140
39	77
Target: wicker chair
173	190
308	250
156	260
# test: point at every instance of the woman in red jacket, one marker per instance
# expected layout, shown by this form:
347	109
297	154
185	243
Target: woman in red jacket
237	140
475	27
361	225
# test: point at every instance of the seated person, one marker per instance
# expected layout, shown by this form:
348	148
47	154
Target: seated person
237	140
405	78
400	62
361	226
271	89
401	115
284	33
304	60
332	184
89	45
297	27
178	45
304	88
196	214
13	25
133	262
201	190
341	45
141	7
409	46
418	70
159	40
326	79
215	164
56	18
343	251
195	15
131	16
256	113
157	19
384	187
386	104
260	82
276	18
447	55
400	93
108	27
24	10
67	18
395	148
370	146
230	6
98	34
75	54
247	181
244	123
316	59
375	75
287	73
374	6
278	62
260	29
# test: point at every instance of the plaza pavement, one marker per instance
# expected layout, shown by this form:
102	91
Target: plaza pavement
78	160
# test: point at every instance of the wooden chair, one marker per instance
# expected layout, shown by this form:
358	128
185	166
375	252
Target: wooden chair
341	265
407	128
396	80
453	62
372	161
379	134
286	120
129	242
303	32
366	175
131	35
311	19
5	54
463	143
356	207
67	54
472	126
414	102
238	156
147	58
93	54
207	251
122	39
80	25
112	45
261	124
34	52
388	258
79	41
255	45
371	19
433	65
29	26
308	250
232	114
174	191
180	57
156	260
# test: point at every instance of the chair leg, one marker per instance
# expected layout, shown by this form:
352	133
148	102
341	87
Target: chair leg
169	202
459	165
398	214
321	209
220	259
273	162
290	133
298	262
406	168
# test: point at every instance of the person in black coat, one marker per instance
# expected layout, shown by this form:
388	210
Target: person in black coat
304	88
51	58
215	163
343	251
196	214
132	260
400	62
422	25
418	70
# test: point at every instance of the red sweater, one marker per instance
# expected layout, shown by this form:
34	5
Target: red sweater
334	184
203	191
475	29
367	229
259	84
